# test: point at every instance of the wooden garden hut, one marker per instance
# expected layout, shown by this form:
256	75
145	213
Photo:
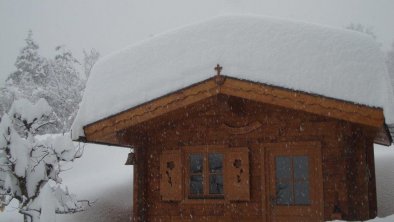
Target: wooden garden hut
245	118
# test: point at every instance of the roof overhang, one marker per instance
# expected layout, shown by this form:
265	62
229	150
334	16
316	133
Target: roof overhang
105	131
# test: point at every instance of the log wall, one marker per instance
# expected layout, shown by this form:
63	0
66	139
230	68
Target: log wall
347	158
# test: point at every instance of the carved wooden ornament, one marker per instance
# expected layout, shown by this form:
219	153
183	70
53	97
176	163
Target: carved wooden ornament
242	130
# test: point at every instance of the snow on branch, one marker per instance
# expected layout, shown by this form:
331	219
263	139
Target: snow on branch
30	167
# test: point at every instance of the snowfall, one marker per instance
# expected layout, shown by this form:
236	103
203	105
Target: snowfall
101	176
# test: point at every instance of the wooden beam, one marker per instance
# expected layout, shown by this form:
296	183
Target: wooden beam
383	136
97	131
304	102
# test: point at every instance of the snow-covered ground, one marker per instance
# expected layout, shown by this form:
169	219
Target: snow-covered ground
102	176
384	164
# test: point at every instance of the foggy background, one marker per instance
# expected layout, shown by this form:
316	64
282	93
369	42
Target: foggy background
111	25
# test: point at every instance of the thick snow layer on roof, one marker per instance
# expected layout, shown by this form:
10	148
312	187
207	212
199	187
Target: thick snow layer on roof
327	61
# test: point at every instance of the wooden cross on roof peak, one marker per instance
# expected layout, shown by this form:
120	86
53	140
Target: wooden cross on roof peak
218	69
219	79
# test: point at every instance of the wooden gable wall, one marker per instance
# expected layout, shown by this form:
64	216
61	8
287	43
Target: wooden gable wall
347	157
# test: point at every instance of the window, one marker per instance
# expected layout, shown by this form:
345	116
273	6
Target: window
205	175
205	172
292	180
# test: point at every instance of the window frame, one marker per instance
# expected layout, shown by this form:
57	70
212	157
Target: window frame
292	181
295	148
205	150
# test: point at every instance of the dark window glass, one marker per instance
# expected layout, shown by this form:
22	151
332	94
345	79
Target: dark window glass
206	183
215	184
284	194
301	193
300	167
196	163
283	167
292	180
215	161
196	185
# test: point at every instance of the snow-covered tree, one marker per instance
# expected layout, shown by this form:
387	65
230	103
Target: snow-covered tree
28	61
89	59
59	80
64	86
29	168
29	72
361	28
6	99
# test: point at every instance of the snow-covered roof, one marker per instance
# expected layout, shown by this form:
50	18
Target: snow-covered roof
327	61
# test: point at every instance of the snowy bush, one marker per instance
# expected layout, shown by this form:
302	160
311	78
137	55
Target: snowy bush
29	168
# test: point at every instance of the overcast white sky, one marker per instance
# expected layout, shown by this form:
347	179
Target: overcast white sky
110	25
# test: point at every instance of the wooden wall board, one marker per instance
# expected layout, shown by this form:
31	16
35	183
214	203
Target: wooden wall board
201	125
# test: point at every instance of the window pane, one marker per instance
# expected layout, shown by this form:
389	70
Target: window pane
196	163
216	184
196	185
283	167
301	167
301	190
284	194
215	162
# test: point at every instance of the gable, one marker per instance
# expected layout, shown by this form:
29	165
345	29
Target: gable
105	130
330	62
